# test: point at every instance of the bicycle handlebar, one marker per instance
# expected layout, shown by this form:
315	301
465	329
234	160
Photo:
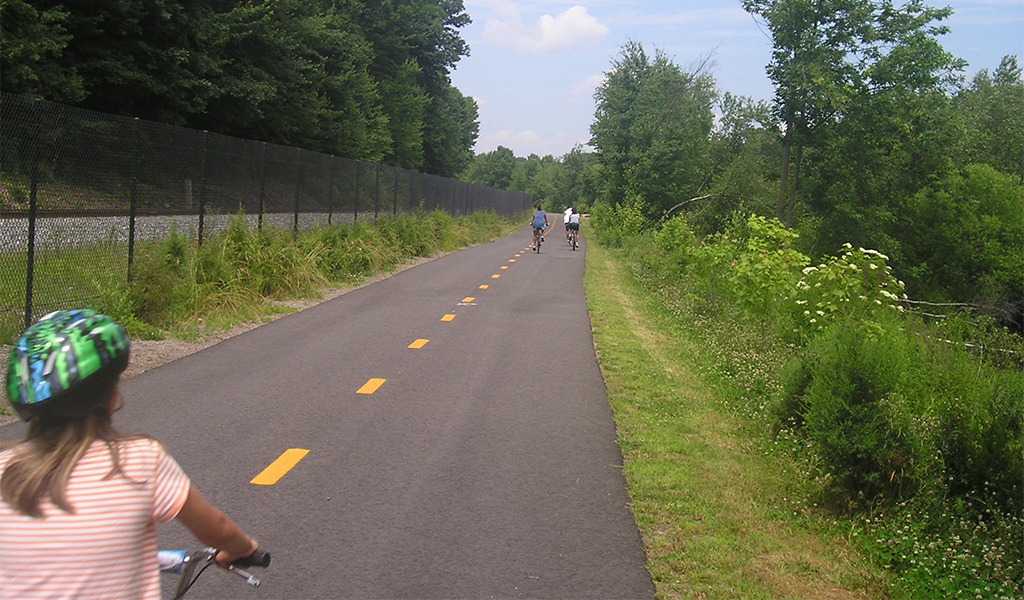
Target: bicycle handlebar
259	558
180	562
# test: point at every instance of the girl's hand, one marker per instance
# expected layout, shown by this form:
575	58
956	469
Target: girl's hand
223	557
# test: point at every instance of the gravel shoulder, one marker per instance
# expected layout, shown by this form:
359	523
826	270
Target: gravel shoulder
149	354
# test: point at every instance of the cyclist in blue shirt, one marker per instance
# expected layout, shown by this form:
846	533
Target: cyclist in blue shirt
540	224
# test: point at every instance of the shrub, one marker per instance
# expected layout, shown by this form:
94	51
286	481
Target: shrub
857	285
617	224
852	393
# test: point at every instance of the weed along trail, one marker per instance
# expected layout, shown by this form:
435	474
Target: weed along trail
710	508
443	433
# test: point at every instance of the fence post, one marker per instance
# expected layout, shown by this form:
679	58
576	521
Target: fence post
376	194
394	199
132	198
33	190
298	192
202	187
355	207
263	189
330	189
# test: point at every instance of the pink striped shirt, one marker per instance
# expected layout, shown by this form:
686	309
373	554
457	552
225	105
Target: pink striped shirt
107	548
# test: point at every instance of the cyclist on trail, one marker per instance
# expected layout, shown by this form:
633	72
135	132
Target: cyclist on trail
540	224
573	223
565	219
79	502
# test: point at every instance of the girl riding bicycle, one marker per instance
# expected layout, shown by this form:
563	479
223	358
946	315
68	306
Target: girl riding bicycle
79	502
540	224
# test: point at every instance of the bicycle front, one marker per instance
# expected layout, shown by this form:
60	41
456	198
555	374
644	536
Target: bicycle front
189	567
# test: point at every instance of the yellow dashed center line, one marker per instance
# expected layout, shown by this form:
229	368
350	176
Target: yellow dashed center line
505	267
418	344
468	299
484	287
495	276
371	386
279	467
447	318
518	255
511	260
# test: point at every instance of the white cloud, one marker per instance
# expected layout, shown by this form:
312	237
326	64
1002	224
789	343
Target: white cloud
574	29
583	91
524	143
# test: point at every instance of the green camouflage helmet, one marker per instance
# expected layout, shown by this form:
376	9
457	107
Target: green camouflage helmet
58	352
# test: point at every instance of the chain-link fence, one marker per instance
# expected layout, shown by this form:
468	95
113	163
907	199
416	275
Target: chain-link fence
78	189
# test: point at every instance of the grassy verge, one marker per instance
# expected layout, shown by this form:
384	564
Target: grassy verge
716	512
241	275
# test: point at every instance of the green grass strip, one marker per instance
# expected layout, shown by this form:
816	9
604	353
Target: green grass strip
712	509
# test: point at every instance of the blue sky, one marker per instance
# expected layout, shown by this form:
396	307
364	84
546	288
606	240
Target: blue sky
534	64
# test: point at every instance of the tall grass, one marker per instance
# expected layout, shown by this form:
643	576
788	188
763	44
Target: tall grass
237	275
909	432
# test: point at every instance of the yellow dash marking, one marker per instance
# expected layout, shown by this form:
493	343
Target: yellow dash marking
468	299
279	467
495	276
511	260
371	386
484	287
447	318
505	267
418	344
518	255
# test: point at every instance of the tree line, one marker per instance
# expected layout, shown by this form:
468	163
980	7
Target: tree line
362	80
874	137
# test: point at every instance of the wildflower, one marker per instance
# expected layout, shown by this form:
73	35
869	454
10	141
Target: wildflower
809	270
873	266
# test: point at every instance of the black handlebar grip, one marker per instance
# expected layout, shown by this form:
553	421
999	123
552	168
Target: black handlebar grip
259	558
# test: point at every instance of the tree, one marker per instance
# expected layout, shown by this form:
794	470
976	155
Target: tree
579	185
651	129
823	58
130	58
744	165
362	80
964	239
424	33
451	126
282	79
404	102
34	40
493	169
993	110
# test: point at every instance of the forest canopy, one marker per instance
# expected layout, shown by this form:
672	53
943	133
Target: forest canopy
888	146
362	80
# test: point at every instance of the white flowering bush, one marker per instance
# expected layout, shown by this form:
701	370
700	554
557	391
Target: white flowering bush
856	284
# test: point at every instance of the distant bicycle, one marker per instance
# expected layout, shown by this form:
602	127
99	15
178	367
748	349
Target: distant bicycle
184	564
573	233
538	237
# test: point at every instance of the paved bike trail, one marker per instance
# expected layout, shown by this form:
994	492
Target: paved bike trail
485	466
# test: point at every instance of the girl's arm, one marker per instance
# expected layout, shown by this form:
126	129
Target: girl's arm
214	528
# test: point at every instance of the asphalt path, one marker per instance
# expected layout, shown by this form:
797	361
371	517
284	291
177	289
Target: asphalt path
485	465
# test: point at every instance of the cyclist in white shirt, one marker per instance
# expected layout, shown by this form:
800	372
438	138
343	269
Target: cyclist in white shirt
573	223
565	219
